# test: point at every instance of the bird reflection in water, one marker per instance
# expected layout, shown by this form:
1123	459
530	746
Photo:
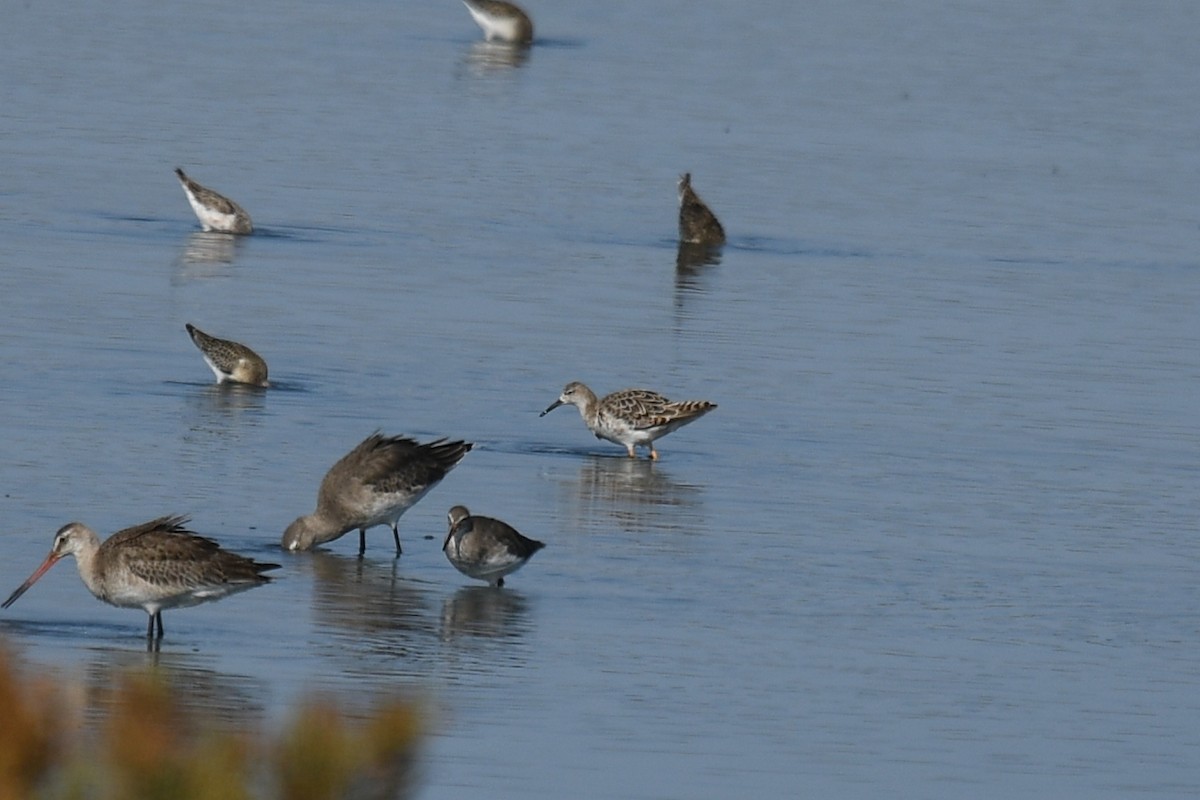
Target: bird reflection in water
226	701
492	57
226	398
691	262
484	611
360	596
207	247
636	493
222	414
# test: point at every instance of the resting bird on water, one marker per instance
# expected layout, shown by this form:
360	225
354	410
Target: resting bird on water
630	417
157	565
374	484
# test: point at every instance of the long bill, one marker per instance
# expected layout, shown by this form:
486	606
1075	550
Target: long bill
50	561
553	406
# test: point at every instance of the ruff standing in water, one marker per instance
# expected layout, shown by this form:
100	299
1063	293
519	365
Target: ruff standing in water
229	360
153	566
373	485
630	417
501	21
486	548
697	223
216	212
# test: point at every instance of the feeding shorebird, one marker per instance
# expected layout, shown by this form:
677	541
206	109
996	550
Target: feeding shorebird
215	211
630	417
229	360
373	485
697	223
157	565
501	21
486	548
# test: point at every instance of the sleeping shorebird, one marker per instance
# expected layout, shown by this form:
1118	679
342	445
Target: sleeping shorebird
157	565
216	212
229	360
501	21
373	485
697	223
486	548
630	417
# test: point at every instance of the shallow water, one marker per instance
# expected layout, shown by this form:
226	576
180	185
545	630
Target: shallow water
940	533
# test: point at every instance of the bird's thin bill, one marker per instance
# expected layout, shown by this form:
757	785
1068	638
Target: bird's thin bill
552	406
50	561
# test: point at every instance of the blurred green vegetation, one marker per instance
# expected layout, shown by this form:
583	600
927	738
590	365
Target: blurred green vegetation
148	747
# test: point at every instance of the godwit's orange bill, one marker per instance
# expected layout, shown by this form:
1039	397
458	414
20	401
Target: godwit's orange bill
50	561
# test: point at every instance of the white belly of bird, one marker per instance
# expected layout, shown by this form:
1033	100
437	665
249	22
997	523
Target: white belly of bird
385	509
492	566
211	219
619	432
155	598
503	28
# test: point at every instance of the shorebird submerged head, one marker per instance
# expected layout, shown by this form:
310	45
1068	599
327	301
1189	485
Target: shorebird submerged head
230	361
697	223
304	534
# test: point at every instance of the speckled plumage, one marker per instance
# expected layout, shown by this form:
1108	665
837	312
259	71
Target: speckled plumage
486	548
697	223
630	417
229	360
373	485
501	21
157	565
216	212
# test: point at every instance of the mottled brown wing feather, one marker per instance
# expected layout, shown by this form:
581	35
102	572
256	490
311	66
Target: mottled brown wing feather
392	463
225	353
413	467
174	523
649	409
159	550
636	404
212	199
685	410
